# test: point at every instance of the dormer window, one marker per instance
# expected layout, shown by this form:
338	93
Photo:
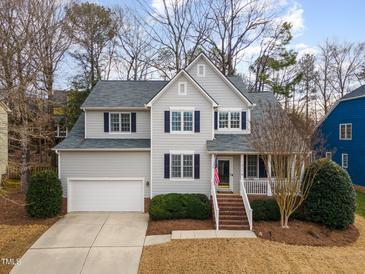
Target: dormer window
182	90
201	70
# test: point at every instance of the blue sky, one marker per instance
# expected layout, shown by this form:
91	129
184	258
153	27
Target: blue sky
313	22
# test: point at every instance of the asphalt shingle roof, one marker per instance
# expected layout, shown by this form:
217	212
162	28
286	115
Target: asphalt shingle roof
76	140
356	93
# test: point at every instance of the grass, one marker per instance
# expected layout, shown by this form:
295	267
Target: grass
360	203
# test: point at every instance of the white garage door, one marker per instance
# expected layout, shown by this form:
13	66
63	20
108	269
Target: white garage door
105	194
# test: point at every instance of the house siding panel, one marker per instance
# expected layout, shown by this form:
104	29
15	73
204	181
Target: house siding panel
95	126
350	111
162	143
105	164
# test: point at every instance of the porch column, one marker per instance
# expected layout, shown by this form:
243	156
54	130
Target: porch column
212	169
242	164
269	191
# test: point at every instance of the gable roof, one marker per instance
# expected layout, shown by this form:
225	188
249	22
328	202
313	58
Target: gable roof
191	79
76	141
355	94
121	93
223	77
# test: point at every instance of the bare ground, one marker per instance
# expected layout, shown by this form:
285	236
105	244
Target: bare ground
253	256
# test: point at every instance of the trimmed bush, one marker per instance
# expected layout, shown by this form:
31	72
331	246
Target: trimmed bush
44	195
179	206
331	200
265	210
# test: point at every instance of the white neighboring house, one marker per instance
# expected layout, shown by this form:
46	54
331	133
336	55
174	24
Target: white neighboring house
3	138
138	139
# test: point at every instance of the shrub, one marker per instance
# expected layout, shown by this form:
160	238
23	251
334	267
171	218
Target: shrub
331	200
44	195
265	210
179	206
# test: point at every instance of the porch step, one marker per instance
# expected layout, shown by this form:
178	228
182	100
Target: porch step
233	222
230	204
232	217
228	212
234	227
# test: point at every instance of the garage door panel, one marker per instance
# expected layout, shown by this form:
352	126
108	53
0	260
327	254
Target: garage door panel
105	195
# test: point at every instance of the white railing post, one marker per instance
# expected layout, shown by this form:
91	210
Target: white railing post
213	191
269	192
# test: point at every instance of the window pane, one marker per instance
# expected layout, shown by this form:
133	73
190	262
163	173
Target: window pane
343	131
176	166
176	121
235	120
349	132
125	122
114	122
187	166
188	121
223	119
251	166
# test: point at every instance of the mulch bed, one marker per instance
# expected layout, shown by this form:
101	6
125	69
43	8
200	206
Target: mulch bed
167	226
306	233
359	188
13	212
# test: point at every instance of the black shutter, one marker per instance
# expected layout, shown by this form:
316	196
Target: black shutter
197	121
262	170
167	166
106	121
167	121
196	166
215	120
134	122
243	120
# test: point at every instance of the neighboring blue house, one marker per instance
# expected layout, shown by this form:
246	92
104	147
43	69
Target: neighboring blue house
343	134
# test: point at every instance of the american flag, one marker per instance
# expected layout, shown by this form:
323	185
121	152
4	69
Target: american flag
216	175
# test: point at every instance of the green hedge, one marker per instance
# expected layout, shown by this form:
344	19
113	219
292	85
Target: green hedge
179	206
44	195
265	210
331	200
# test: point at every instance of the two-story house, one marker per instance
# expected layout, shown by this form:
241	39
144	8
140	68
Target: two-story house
341	134
138	139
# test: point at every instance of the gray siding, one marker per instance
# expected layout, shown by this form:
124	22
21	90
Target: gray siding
105	164
162	142
95	126
219	90
3	140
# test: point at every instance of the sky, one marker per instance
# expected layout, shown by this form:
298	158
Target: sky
313	21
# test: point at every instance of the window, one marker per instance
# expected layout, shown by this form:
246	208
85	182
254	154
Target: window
252	166
182	166
329	155
345	160
182	121
201	70
345	131
229	120
182	88
120	122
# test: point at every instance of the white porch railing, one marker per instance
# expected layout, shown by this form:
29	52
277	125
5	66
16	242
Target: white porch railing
246	203
258	186
213	191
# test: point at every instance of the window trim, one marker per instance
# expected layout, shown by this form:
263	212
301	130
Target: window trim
200	66
329	155
229	128
179	91
182	110
182	153
342	160
120	123
345	125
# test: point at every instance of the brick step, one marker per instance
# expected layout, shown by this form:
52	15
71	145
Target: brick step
228	196
230	203
233	217
233	222
234	227
225	200
232	211
231	208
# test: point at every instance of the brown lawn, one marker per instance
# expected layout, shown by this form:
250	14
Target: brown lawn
253	256
18	231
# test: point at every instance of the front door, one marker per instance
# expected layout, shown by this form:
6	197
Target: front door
225	173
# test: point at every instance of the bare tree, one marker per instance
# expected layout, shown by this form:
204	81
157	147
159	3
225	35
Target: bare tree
178	31
286	145
135	52
236	25
347	61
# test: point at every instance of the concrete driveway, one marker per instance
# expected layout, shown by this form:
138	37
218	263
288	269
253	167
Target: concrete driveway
88	243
